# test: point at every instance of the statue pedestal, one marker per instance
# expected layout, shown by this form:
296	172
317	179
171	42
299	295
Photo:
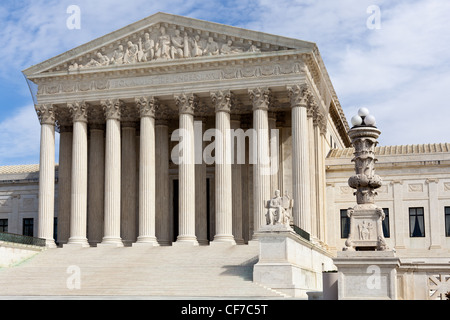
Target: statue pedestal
288	263
367	275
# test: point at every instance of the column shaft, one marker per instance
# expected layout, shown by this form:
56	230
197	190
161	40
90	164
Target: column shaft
47	176
201	219
112	175
237	196
78	218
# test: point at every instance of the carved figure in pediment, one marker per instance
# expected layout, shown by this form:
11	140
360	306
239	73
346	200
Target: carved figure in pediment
117	57
176	50
162	48
198	46
228	48
131	55
254	49
102	61
148	49
212	48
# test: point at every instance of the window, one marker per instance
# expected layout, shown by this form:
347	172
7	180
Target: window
447	221
386	231
416	222
3	225
27	229
345	224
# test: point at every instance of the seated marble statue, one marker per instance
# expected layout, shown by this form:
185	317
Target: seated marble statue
275	210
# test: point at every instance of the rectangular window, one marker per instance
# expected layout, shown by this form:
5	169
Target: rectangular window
447	221
345	224
386	230
3	225
416	222
28	226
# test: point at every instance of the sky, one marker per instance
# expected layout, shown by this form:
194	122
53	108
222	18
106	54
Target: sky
392	57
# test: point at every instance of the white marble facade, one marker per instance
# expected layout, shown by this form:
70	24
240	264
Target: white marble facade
118	102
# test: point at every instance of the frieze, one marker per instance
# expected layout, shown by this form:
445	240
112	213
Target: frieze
227	73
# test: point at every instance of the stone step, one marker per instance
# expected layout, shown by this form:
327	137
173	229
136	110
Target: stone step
138	271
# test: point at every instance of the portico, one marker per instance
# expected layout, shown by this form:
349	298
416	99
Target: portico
119	149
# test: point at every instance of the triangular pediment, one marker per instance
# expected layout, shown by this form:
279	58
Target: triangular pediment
165	37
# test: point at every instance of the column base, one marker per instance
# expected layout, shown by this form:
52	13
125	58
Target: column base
186	241
222	240
111	242
146	242
50	244
77	242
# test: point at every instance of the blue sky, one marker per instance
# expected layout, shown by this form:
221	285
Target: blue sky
401	71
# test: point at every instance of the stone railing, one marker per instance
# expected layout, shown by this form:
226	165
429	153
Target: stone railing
20	239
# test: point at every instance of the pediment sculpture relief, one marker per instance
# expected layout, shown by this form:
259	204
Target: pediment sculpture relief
160	45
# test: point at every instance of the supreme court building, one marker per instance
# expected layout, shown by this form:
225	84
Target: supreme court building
130	104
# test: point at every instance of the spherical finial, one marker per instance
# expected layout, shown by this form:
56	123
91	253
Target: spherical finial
357	121
363	112
370	120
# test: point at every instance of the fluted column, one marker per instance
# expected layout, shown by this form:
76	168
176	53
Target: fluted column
313	150
64	181
187	105
78	212
111	236
224	201
236	174
300	157
260	98
96	183
46	211
163	221
147	192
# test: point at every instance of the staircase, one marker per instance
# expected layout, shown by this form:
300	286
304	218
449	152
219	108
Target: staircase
163	272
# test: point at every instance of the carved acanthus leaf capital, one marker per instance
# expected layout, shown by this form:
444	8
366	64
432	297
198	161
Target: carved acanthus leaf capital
186	103
222	100
147	106
78	111
112	109
300	95
46	114
260	98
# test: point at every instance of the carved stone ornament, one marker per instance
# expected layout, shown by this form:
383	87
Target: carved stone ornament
279	210
147	106
366	218
222	100
46	114
299	95
164	44
186	103
78	111
112	109
260	98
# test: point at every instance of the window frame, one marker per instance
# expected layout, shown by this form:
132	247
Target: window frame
416	215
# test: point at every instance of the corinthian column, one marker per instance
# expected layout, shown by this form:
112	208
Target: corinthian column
236	174
78	212
224	201
112	109
47	174
299	96
147	186
260	98
187	105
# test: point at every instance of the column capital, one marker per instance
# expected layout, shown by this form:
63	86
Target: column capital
260	98
79	111
300	95
222	100
186	103
147	106
46	113
112	108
